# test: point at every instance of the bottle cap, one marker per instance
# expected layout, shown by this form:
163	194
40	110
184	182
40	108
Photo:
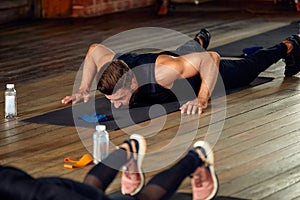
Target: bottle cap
100	127
10	86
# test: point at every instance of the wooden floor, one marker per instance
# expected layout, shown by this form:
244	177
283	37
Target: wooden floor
258	152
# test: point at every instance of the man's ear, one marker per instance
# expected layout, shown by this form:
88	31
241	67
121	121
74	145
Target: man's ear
134	84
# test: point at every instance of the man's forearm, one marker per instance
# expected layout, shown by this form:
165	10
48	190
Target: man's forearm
209	74
88	74
203	96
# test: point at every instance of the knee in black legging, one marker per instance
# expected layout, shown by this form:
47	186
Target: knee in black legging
15	184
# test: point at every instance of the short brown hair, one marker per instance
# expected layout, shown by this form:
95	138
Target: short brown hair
113	76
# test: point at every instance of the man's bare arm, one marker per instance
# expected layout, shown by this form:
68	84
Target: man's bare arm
207	64
204	64
96	57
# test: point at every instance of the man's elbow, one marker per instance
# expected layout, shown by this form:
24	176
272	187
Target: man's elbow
215	56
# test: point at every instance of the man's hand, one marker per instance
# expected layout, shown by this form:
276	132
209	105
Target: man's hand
77	97
193	107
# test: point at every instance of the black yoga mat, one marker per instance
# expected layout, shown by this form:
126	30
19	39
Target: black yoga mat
117	118
267	39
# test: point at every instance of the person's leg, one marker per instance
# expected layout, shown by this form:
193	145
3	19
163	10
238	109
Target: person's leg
237	73
15	184
102	174
204	179
60	188
164	184
129	155
292	60
198	163
132	180
198	44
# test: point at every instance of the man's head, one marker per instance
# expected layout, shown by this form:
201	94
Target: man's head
117	83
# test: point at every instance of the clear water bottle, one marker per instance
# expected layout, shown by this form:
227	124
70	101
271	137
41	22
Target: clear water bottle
10	101
101	143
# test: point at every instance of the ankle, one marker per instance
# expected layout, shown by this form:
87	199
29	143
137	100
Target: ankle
200	41
289	46
196	160
125	147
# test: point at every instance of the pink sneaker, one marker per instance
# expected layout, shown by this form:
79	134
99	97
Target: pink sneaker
204	180
132	180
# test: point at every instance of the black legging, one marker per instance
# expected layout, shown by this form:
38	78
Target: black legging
237	73
240	72
15	184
